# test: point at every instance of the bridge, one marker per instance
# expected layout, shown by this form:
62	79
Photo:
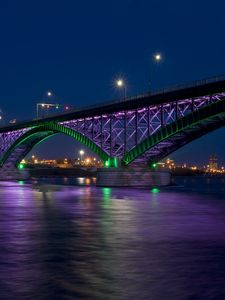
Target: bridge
136	131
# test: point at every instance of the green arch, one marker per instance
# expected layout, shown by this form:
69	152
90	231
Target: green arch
51	129
181	125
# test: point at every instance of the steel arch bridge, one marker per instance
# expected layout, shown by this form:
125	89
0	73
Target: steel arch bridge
139	130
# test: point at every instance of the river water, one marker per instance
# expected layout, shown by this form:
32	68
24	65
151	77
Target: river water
67	239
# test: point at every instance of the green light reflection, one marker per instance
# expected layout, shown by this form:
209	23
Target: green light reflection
106	195
155	190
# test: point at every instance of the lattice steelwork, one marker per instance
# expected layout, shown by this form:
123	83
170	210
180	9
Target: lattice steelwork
8	138
117	133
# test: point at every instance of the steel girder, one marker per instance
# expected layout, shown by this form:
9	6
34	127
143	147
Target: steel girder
8	138
25	142
178	133
118	134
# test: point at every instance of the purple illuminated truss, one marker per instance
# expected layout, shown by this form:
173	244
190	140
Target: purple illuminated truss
119	132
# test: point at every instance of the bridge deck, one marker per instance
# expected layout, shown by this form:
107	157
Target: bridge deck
201	88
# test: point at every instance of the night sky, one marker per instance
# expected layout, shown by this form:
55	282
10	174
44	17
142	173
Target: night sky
77	49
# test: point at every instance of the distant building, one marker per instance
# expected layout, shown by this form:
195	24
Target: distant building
213	162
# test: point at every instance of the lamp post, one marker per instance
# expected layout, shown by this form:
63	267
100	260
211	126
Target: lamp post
121	84
49	95
81	155
46	104
156	58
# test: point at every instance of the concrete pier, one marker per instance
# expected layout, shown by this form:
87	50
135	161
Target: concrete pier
133	177
13	174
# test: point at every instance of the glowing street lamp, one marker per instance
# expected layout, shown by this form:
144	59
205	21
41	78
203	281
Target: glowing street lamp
81	154
157	57
121	84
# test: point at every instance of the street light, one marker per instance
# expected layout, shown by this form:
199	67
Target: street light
157	57
49	94
121	84
81	154
46	105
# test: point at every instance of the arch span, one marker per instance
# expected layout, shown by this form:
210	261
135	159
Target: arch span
177	134
23	145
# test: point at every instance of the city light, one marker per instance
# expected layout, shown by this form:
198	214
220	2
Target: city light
49	94
81	152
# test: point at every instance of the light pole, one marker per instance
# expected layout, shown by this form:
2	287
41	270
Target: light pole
121	84
81	155
156	58
49	95
47	105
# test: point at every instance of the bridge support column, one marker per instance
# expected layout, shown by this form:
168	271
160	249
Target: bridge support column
133	177
112	162
12	173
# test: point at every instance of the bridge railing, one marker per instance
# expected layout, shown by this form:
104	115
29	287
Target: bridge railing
190	84
155	92
137	97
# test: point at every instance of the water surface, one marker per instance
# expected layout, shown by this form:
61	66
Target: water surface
64	241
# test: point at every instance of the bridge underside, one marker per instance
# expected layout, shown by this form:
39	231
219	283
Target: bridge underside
178	140
26	141
20	149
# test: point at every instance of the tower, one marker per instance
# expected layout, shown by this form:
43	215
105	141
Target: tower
213	165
